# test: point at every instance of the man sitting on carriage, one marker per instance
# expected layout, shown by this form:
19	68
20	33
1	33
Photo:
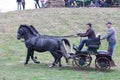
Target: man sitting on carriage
90	33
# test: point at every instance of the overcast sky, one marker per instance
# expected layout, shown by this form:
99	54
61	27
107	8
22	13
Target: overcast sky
11	5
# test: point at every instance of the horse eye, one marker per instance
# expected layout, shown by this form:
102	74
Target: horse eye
21	31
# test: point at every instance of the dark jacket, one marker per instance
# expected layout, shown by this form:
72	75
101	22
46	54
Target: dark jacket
89	33
66	0
36	0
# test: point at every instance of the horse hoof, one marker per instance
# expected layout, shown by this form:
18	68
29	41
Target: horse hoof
25	63
51	66
37	62
60	66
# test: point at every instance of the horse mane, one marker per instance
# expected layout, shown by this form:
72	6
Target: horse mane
31	28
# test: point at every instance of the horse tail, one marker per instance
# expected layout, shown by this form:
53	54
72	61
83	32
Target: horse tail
63	49
66	42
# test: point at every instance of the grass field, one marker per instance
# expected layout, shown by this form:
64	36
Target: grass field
54	21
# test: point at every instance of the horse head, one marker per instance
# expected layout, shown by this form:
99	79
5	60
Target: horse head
24	31
20	32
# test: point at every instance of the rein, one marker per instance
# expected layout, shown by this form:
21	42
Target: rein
68	36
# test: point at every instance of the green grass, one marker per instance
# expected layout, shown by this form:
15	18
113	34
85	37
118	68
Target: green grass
54	21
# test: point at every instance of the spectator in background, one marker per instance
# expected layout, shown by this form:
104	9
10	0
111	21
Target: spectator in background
23	4
72	4
78	2
66	3
42	3
18	4
109	3
92	5
102	3
37	3
97	3
69	3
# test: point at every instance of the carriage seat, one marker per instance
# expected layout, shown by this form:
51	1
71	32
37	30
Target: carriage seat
93	44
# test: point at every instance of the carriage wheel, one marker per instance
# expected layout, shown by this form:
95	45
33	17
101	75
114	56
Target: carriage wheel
102	63
81	61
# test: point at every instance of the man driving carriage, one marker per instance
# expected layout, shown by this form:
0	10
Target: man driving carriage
90	33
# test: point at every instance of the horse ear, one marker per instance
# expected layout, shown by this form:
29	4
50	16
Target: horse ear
21	25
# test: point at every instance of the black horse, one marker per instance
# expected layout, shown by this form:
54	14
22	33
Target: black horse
40	43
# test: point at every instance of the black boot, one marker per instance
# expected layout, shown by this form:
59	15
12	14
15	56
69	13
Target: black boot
75	48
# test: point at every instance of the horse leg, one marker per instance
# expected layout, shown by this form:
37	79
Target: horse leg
28	56
57	58
53	64
60	65
33	58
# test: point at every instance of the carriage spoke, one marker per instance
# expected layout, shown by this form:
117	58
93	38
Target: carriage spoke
81	61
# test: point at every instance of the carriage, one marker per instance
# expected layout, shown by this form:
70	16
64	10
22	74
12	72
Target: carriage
55	45
83	59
